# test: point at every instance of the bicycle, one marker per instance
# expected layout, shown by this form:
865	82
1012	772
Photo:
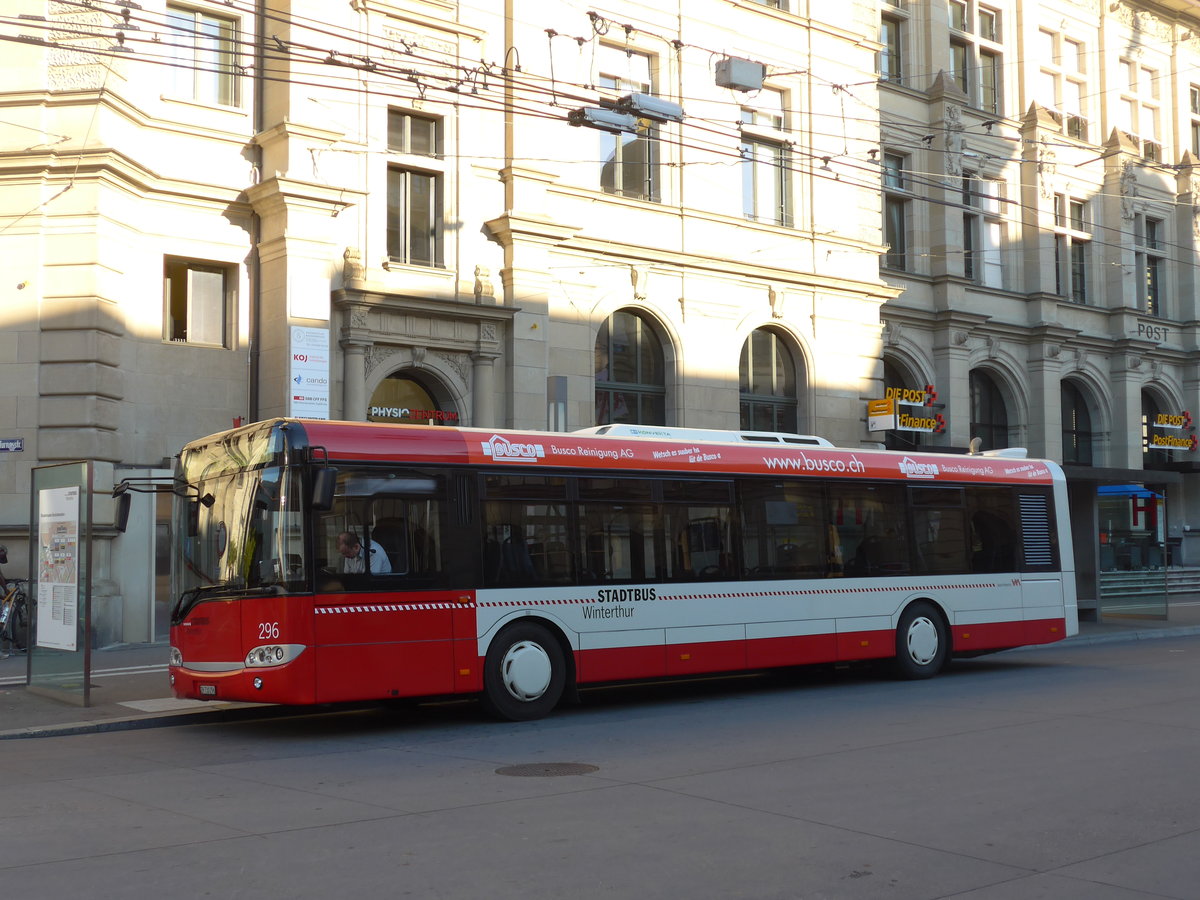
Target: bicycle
14	613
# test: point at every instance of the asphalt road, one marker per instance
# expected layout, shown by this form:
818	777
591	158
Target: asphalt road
1068	772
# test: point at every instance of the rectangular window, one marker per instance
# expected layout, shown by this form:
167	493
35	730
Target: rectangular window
1150	264
982	231
1139	108
414	189
869	528
1071	248
195	302
784	530
891	57
629	162
895	212
1062	82
766	163
203	52
1194	109
976	53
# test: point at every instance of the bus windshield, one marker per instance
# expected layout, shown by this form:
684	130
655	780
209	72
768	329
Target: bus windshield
249	537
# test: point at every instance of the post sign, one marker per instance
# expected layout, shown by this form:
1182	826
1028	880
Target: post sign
881	414
1172	431
915	409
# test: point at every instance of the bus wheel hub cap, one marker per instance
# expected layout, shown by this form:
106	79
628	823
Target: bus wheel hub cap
922	641
526	670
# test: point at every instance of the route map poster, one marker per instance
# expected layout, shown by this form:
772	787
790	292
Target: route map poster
58	568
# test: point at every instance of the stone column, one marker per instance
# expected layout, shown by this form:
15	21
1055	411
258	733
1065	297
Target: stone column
483	390
354	381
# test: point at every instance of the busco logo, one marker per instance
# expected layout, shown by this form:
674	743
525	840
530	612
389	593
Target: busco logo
913	469
502	449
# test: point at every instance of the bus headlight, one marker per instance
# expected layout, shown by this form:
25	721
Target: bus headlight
272	655
176	658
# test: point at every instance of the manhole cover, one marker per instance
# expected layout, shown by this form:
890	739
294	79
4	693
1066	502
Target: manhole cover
547	770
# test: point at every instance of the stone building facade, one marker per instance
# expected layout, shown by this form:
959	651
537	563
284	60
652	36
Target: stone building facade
1042	214
424	210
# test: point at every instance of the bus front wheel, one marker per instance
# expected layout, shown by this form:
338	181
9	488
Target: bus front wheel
922	642
524	673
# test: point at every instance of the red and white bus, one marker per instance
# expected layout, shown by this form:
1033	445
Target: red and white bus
518	565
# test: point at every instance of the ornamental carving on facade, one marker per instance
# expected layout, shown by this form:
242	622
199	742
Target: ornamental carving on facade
358	317
637	278
954	140
775	299
1143	22
484	291
352	266
69	66
487	331
377	355
1047	166
459	363
1129	189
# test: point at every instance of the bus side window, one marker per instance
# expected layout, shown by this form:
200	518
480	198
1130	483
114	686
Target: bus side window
870	520
783	530
993	530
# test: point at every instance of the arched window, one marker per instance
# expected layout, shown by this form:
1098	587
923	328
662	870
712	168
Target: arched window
630	372
1076	426
989	415
768	384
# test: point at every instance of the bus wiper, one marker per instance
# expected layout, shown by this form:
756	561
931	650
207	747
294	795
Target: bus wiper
188	599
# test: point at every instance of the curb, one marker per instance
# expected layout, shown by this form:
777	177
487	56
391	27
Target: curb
1148	634
162	720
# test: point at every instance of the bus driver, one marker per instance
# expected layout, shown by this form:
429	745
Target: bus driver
355	559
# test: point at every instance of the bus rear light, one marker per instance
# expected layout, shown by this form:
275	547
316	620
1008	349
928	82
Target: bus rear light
273	655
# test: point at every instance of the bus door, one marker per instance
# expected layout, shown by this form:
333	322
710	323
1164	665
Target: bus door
1042	586
385	611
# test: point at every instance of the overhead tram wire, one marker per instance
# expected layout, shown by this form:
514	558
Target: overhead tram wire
459	98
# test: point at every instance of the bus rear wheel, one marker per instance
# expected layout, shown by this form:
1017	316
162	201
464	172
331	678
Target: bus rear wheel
922	642
524	673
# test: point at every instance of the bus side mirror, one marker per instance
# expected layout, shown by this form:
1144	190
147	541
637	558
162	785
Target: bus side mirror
324	483
124	502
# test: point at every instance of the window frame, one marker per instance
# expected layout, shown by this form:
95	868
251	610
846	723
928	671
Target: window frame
783	401
1065	70
612	87
178	307
897	202
1072	243
1150	263
976	58
189	54
648	393
893	37
763	134
409	163
1141	107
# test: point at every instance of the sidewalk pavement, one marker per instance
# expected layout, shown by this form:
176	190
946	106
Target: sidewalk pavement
130	690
